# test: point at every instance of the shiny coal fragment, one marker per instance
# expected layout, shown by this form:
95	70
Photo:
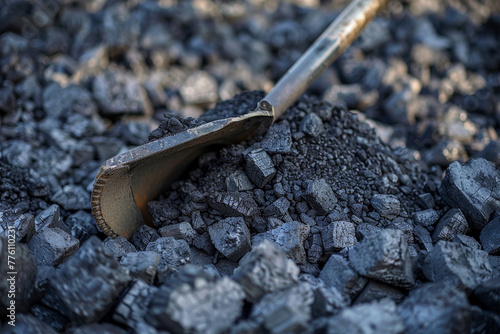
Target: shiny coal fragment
386	205
451	224
52	246
179	231
278	139
142	265
290	237
436	308
196	303
378	317
238	181
474	188
425	218
87	284
320	196
311	125
22	282
50	217
384	256
132	307
285	311
269	260
278	208
327	300
234	204
315	250
259	167
174	255
81	225
231	237
338	274
490	236
423	238
118	246
426	201
457	265
143	236
467	241
338	235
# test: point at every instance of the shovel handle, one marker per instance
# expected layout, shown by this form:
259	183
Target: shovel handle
328	47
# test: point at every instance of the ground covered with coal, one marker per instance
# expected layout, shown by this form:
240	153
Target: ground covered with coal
323	225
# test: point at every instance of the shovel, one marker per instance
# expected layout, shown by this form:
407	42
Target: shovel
127	182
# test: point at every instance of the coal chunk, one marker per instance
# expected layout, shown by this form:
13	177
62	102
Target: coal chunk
174	255
386	205
278	139
269	260
285	311
22	262
423	238
143	236
290	237
118	246
320	196
384	256
23	224
338	235
131	309
278	208
259	167
490	236
452	223
378	317
337	273
179	231
196	303
436	308
82	225
50	217
88	284
72	197
231	237
162	212
467	241
238	181
474	188
234	204
52	246
457	265
142	265
425	218
311	125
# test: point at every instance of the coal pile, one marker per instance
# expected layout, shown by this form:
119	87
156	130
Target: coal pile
371	206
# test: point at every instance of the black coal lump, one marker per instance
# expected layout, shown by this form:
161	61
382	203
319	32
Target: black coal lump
265	259
177	307
320	196
425	218
436	308
490	236
259	167
142	265
52	246
457	265
278	139
474	188
118	246
387	206
86	285
450	225
338	235
143	236
162	212
132	307
383	255
231	237
22	282
174	255
339	274
376	290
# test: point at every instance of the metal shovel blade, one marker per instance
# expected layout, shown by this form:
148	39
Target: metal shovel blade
127	182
